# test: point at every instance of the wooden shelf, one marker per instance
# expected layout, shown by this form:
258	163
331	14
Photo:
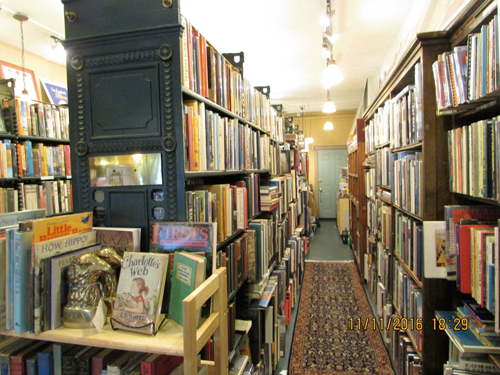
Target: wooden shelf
169	340
382	145
415	216
388	201
410	272
414	146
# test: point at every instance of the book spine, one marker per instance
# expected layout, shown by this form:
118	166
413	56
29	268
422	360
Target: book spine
45	364
68	365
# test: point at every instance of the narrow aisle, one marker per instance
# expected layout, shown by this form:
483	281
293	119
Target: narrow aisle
325	244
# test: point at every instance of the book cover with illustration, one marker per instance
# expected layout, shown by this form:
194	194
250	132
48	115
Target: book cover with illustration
139	292
120	239
168	237
54	227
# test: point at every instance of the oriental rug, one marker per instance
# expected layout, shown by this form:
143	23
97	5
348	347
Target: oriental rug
325	342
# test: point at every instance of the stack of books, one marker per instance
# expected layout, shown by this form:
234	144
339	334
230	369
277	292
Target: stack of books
269	197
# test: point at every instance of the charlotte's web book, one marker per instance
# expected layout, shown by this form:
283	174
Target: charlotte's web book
140	292
168	237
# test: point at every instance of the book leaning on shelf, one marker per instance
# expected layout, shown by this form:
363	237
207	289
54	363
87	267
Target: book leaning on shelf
139	293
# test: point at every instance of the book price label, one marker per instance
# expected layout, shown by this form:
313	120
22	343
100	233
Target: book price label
100	315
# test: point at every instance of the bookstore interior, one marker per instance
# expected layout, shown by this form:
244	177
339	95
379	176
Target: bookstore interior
158	157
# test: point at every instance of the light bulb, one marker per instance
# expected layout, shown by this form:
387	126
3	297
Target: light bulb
328	126
324	21
329	107
331	75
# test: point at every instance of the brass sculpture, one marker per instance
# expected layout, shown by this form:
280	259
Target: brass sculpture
85	276
110	256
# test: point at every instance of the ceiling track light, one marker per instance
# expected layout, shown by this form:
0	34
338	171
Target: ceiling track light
328	125
331	75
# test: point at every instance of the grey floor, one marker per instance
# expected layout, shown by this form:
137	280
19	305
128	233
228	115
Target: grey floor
324	244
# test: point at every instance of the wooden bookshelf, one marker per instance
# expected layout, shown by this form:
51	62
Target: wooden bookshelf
172	338
433	192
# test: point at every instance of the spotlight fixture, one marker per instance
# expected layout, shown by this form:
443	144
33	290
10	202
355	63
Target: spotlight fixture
22	18
328	125
332	73
329	107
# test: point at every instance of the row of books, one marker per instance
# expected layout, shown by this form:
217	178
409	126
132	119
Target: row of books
406	180
229	205
26	356
239	258
37	159
406	107
42	120
28	159
383	166
399	122
408	301
408	242
473	159
216	143
468	72
460	363
209	74
370	176
54	197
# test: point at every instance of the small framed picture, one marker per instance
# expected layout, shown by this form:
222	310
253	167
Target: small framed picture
13	71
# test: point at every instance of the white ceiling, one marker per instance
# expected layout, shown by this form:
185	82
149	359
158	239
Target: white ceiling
281	40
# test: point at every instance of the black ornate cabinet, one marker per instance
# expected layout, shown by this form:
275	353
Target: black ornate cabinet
125	102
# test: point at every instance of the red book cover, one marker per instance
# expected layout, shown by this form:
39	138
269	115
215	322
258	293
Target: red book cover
67	160
101	360
18	360
464	256
159	364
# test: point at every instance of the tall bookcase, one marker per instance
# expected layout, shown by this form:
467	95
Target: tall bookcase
126	66
31	133
472	164
357	196
407	141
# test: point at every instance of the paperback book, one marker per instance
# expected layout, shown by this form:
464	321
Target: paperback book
139	292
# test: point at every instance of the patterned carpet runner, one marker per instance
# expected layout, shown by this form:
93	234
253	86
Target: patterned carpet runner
323	341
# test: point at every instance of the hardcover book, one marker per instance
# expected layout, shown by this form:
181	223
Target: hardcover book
434	249
168	237
120	239
188	274
140	292
54	227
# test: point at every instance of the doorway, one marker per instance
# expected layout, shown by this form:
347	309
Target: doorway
329	164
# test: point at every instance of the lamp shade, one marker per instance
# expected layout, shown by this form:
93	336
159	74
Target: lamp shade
328	126
331	75
329	107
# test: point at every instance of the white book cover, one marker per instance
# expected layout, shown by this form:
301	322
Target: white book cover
434	249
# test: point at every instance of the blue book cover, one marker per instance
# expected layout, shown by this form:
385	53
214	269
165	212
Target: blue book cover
29	158
22	254
46	361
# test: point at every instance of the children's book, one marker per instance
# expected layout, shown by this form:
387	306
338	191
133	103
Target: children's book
139	292
188	273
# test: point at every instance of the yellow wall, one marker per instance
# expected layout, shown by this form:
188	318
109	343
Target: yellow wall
42	68
312	125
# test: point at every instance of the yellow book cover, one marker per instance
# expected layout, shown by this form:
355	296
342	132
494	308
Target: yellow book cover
54	227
